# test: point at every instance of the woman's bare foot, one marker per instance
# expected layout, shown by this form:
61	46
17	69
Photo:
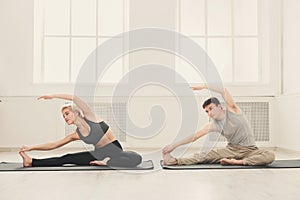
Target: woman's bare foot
27	161
226	161
100	162
169	160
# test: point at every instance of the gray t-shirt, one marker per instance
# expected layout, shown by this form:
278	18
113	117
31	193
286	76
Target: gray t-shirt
236	129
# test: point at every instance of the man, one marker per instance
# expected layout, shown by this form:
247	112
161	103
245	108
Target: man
231	123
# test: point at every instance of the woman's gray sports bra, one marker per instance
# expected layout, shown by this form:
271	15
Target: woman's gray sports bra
98	130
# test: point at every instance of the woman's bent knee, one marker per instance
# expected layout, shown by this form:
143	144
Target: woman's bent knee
134	158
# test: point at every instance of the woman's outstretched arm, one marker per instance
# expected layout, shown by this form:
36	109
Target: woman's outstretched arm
52	145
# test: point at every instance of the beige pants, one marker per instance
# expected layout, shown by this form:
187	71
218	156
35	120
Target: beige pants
249	155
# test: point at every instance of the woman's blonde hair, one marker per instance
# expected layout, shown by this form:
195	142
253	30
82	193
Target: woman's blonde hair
72	107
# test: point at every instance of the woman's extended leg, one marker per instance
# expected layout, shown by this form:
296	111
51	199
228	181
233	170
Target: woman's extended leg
82	158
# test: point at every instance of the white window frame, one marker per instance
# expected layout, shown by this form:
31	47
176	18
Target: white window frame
270	31
269	48
39	40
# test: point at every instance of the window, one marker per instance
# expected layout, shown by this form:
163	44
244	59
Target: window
238	35
229	31
67	31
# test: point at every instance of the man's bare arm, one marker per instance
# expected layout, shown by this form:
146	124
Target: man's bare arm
203	131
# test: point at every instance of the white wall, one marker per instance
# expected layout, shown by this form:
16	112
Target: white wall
16	20
288	134
291	47
24	120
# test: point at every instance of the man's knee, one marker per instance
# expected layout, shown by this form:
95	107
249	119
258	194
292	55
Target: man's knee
264	158
270	157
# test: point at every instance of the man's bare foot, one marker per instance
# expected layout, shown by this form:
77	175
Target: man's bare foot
169	160
232	161
27	161
100	162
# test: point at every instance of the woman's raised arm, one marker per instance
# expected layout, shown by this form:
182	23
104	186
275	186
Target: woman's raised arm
84	107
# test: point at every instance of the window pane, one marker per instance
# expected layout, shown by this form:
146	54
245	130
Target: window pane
81	50
193	17
186	70
56	63
246	60
153	13
114	72
219	17
57	17
245	17
110	17
220	51
151	56
84	17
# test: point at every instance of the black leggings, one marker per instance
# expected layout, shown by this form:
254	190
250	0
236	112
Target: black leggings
118	157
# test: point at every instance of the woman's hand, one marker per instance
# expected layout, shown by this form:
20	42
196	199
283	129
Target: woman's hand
200	87
25	148
168	149
45	97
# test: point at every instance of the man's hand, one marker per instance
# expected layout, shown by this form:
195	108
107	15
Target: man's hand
168	149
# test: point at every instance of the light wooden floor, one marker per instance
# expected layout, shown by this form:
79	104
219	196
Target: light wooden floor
254	184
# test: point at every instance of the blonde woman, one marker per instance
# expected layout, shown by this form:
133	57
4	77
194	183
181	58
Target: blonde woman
91	129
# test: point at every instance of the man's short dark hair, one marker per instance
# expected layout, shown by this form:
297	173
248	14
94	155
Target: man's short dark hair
213	100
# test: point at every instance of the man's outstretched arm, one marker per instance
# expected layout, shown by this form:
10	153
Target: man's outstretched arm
187	140
170	160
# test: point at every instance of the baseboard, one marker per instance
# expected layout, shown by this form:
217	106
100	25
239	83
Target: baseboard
286	150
